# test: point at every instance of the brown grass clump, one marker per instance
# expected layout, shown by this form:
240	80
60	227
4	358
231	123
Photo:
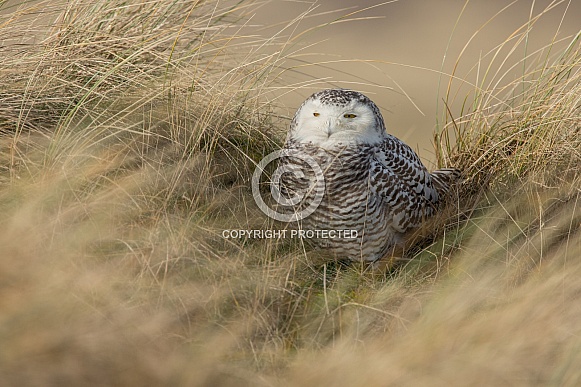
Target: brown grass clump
528	126
128	133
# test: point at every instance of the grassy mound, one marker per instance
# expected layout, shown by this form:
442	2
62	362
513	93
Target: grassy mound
128	134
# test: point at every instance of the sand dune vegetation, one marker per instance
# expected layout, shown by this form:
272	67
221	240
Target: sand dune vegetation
129	132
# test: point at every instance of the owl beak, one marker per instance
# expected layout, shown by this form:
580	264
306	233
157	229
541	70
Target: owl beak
328	129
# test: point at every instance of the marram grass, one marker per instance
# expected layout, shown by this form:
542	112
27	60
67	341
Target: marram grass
128	136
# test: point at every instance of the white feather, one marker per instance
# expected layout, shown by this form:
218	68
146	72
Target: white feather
327	126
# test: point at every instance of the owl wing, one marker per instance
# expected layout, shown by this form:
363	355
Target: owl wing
399	176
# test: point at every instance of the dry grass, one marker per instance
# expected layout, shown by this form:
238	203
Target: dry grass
522	117
126	148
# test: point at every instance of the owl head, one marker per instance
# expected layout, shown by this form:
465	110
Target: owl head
337	117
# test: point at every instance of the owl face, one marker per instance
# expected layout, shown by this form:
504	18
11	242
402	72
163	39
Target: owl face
337	117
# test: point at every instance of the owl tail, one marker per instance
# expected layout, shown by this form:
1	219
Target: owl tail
443	179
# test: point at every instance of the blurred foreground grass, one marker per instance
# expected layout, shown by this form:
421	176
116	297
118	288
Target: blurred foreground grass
127	139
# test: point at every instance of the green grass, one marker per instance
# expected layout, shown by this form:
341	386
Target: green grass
127	146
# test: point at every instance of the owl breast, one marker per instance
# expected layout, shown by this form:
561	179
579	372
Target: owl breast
352	211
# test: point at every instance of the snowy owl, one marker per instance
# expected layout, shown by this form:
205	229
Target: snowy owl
377	191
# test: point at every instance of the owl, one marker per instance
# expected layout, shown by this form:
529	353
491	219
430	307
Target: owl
376	193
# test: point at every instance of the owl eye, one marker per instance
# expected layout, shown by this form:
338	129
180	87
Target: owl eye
349	115
316	114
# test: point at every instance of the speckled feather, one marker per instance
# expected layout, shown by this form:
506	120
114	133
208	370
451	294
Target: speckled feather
379	187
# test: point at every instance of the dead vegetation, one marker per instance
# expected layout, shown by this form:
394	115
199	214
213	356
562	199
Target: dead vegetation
128	134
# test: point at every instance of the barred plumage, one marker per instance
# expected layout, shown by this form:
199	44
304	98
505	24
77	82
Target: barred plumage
374	183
